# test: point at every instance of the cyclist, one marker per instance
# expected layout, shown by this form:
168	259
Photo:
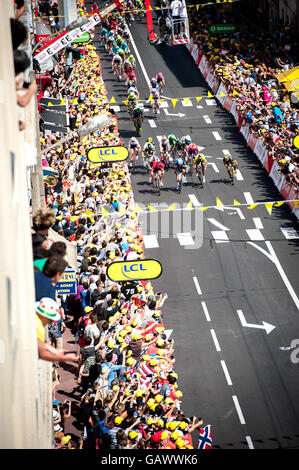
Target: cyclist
103	35
131	77
116	65
200	159
191	152
180	169
132	102
134	149
180	147
133	89
156	100
164	149
172	140
137	119
160	81
229	164
127	67
157	167
148	151
132	61
110	41
186	139
154	84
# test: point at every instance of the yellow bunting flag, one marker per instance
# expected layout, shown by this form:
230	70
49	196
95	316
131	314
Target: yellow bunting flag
112	100
59	217
235	93
252	206
210	95
137	208
222	94
50	104
151	208
186	100
88	212
74	218
236	203
198	98
203	208
104	211
189	207
62	101
218	202
174	102
269	207
150	98
126	103
296	203
278	204
171	208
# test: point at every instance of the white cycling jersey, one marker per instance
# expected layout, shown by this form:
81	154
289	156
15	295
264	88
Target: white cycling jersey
134	143
117	59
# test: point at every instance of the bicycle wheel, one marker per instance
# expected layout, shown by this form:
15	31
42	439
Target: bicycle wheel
199	177
158	184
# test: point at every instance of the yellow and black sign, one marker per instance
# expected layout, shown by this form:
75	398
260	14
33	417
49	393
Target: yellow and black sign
137	270
115	153
51	180
296	142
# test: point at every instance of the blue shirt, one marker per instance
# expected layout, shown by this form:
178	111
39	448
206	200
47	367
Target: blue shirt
43	286
278	116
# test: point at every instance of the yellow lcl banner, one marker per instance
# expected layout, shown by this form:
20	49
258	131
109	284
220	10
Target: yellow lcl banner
115	153
137	270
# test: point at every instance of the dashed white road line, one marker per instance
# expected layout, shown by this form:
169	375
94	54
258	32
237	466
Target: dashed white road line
150	241
258	223
218	224
194	200
249	442
207	119
239	176
215	340
226	373
248	198
152	123
205	309
217	135
211	102
220	236
185	238
238	408
255	234
197	285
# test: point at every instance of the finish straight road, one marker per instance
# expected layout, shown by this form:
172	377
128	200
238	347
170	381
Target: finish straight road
235	377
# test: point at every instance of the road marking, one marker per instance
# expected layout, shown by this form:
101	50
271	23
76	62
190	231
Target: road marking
283	274
211	102
290	233
207	119
194	200
238	408
265	326
249	441
239	176
215	340
185	238
206	311
227	376
197	285
215	167
163	104
217	135
248	198
220	236
218	224
139	59
115	108
150	241
255	234
199	107
159	137
152	123
258	223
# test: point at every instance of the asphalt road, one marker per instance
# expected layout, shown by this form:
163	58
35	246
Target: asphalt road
234	376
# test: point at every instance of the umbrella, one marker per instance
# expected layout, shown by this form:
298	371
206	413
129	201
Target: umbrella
49	171
288	75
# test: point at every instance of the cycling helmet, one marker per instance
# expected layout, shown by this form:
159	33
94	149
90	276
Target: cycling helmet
149	140
180	161
131	58
193	147
138	110
133	139
188	139
172	137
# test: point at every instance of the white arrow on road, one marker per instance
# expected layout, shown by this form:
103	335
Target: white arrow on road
265	326
170	114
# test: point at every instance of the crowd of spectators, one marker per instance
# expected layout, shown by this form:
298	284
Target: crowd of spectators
247	62
130	396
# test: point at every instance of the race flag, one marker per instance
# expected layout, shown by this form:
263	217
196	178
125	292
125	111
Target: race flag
205	438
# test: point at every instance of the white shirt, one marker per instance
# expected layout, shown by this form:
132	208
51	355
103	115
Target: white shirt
175	6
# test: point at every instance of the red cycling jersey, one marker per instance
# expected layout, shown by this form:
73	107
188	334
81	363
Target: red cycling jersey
157	165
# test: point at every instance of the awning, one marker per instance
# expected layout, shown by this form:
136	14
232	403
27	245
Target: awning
47	170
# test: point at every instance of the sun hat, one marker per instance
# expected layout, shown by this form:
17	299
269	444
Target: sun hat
48	308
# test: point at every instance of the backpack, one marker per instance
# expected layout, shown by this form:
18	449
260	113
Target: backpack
81	327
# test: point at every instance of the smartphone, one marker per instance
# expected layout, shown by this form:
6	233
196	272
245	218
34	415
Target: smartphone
26	84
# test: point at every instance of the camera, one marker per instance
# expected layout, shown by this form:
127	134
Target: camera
26	84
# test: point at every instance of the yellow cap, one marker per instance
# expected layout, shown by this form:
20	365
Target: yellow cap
133	434
180	443
174	436
158	398
164	435
118	420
